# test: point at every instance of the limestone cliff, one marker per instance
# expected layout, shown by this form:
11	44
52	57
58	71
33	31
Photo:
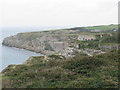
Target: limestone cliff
46	42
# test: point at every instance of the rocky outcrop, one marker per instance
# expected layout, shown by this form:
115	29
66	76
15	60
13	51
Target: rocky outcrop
46	42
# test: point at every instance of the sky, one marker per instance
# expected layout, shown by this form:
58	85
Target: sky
26	13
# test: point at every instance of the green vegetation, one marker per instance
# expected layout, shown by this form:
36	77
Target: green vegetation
56	71
110	39
106	39
103	27
81	71
93	44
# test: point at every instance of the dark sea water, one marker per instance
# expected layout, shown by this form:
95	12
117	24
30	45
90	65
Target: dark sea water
11	55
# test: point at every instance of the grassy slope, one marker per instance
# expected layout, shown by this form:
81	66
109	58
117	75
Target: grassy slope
103	27
79	72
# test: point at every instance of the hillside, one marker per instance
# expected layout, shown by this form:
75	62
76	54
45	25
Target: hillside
82	71
66	41
79	57
103	27
99	28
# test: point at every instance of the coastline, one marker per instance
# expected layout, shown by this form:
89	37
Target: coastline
23	49
15	56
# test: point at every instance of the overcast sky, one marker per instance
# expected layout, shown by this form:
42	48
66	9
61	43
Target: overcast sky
58	12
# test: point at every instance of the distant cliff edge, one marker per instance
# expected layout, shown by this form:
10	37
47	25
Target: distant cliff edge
54	41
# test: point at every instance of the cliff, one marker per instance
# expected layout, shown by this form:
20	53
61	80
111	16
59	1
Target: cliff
46	42
65	42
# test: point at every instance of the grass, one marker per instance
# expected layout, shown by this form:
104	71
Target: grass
103	27
3	77
82	71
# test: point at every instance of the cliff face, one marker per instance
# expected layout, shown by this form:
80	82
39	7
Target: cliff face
38	42
46	42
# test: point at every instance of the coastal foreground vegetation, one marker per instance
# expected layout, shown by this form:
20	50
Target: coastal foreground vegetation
81	71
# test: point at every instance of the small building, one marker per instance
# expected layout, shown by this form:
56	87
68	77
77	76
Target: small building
96	30
86	37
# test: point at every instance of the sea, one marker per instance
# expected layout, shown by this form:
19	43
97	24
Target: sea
11	55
